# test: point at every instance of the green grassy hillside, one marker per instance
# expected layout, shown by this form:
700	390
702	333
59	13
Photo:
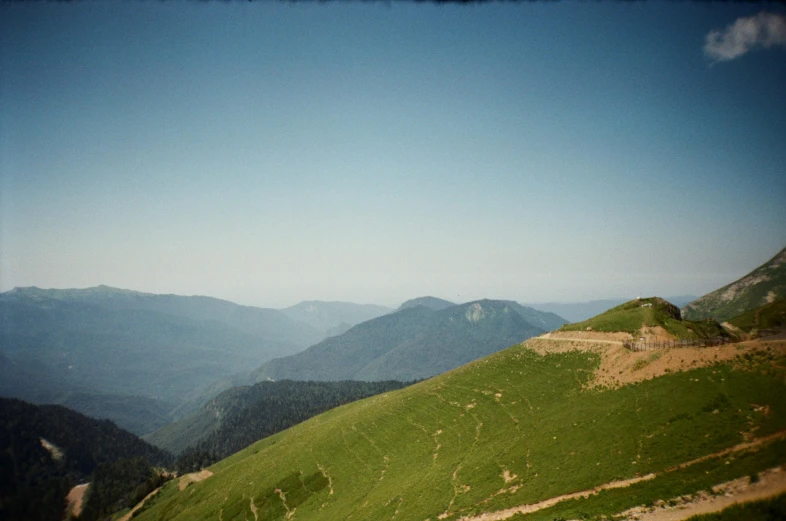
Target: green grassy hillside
631	316
768	316
242	415
511	429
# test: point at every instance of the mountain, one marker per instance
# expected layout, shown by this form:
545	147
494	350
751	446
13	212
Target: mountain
433	303
412	343
240	416
765	284
44	450
157	351
333	318
548	429
652	316
578	311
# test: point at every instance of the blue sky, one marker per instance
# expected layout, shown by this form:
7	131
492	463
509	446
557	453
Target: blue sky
268	153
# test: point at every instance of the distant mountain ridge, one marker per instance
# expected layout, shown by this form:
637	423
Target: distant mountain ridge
433	303
764	285
329	317
414	342
156	351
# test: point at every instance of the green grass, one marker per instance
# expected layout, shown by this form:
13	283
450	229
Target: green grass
768	316
377	455
691	480
631	316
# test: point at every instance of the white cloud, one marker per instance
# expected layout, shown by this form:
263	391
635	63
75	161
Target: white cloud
745	34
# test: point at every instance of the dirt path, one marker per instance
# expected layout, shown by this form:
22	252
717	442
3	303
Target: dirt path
501	515
534	507
587	336
771	483
194	477
75	498
130	514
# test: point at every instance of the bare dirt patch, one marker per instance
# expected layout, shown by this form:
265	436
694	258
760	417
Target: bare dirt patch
194	477
620	366
588	335
654	334
771	483
75	498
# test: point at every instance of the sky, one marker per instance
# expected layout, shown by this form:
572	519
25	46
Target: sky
270	152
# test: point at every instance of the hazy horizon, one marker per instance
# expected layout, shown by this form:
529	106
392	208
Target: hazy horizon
270	153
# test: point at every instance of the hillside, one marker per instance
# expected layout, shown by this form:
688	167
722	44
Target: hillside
413	343
648	317
579	311
46	450
550	429
765	284
770	316
330	317
240	416
132	351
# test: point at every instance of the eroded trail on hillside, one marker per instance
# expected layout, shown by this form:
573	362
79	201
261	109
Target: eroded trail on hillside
130	514
501	515
75	499
193	477
772	482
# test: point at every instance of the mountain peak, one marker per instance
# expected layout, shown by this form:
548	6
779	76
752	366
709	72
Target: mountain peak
433	303
764	285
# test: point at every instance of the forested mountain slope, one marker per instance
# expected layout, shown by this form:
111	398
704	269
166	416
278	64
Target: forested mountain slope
90	347
414	342
45	450
240	416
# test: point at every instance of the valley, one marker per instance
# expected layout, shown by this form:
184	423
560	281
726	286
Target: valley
569	422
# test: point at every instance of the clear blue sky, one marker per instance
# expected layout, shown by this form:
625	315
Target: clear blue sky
268	152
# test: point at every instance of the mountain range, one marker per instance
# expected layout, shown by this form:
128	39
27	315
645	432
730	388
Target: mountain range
105	350
415	342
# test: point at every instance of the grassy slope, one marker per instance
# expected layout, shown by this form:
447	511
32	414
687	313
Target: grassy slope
631	316
768	316
514	411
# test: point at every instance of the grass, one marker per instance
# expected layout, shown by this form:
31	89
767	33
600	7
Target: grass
691	480
768	316
631	316
445	444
